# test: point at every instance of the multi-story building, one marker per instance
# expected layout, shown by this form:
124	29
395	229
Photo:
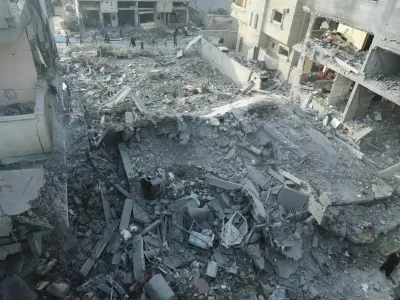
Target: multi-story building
358	42
269	29
27	60
96	13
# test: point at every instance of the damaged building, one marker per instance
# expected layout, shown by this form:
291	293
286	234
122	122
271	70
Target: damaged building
182	170
114	13
268	30
27	61
352	59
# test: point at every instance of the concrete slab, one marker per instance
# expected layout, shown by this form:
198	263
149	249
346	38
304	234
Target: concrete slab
87	266
138	258
227	185
390	171
127	163
286	267
158	289
17	188
291	199
126	214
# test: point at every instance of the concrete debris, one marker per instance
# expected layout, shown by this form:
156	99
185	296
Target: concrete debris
223	184
138	259
158	289
59	290
14	286
253	181
286	267
212	269
234	230
382	191
291	199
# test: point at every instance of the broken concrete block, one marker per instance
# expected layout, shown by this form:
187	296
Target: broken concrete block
259	263
227	185
335	123
291	199
276	175
382	191
313	293
286	267
116	260
158	289
138	258
127	164
105	288
87	266
248	87
357	136
257	210
59	290
290	177
325	121
358	235
214	122
140	215
126	214
212	269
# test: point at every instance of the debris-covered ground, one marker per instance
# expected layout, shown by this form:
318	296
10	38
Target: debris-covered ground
198	191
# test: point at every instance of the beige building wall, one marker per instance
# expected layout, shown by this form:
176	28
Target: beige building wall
292	25
17	71
27	134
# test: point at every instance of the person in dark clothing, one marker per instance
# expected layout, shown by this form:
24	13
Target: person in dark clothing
391	263
106	38
175	38
91	135
85	114
133	41
141	45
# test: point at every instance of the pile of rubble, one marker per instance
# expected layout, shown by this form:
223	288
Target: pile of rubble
15	109
195	192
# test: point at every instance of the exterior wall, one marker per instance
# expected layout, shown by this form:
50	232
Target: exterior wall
340	90
27	134
225	64
382	17
212	22
212	6
213	36
293	26
17	71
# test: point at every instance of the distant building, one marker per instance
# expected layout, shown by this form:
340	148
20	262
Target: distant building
269	29
215	7
27	58
114	13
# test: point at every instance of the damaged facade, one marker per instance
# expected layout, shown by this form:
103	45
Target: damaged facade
27	61
269	29
115	13
361	54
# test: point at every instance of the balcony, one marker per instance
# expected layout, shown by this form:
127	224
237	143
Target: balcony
239	13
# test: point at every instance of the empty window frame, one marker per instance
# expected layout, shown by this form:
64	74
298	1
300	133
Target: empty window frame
256	22
277	17
283	51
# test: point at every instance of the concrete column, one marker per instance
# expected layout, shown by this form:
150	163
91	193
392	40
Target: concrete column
299	70
137	20
340	90
358	103
101	18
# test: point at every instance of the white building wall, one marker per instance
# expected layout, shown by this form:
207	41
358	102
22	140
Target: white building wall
17	71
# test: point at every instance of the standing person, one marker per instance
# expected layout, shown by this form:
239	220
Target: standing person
133	40
175	38
186	31
106	38
101	30
165	42
154	42
91	135
391	263
80	38
67	40
120	32
141	44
